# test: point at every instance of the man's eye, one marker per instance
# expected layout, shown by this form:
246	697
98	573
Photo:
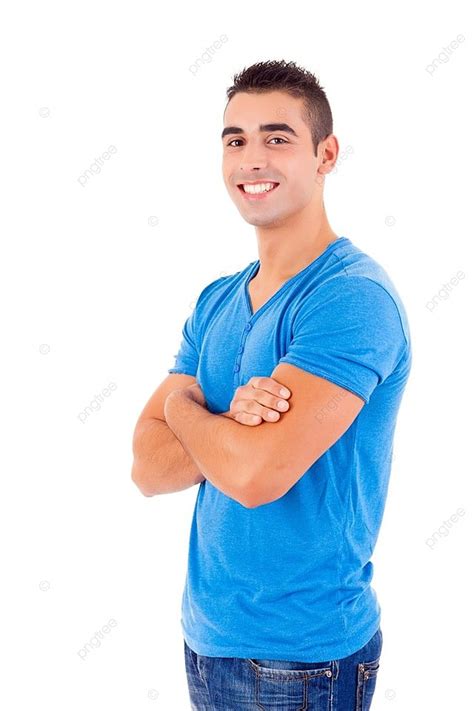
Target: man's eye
275	138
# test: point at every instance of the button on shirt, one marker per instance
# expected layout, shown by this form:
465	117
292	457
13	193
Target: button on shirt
291	579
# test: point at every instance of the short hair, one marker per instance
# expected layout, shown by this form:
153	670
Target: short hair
276	75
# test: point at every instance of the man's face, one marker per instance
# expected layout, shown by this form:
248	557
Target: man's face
274	154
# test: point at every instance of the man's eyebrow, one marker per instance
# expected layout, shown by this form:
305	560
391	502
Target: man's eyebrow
262	127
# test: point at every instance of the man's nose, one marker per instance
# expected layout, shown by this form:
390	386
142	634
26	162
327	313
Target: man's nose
253	158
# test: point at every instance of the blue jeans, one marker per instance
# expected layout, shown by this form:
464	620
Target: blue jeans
239	684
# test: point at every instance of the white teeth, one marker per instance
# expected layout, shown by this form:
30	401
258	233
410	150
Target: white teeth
258	187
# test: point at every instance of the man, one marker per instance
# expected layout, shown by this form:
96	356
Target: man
278	610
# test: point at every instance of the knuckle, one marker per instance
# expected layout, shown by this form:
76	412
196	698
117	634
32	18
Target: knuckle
253	406
258	381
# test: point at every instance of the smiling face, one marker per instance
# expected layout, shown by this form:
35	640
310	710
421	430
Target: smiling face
266	140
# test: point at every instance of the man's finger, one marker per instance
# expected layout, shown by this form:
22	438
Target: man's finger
270	385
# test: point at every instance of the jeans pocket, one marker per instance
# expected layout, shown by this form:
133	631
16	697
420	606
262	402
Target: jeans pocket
366	680
289	685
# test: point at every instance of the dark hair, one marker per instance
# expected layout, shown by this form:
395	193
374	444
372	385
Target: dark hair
296	81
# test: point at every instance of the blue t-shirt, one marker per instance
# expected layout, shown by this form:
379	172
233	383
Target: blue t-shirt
291	579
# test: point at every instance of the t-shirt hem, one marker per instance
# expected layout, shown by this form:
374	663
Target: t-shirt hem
182	371
318	654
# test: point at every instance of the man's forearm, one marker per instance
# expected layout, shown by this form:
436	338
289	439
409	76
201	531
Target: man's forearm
161	465
222	448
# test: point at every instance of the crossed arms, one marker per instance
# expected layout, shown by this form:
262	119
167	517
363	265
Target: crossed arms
255	465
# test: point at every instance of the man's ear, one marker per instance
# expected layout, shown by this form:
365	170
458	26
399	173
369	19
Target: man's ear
329	154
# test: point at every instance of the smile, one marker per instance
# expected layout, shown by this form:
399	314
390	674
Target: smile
257	191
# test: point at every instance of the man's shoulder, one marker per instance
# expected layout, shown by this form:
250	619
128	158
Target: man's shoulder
355	274
217	289
355	285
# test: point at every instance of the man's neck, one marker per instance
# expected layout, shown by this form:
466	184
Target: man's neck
283	253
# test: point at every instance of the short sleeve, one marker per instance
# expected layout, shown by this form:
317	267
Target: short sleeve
187	358
348	331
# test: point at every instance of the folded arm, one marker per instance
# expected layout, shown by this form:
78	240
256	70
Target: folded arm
258	465
160	463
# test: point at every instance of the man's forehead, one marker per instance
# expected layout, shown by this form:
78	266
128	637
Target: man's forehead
257	108
253	117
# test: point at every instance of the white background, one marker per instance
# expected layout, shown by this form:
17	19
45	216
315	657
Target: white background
95	292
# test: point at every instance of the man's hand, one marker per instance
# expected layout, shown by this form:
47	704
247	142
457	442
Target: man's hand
262	399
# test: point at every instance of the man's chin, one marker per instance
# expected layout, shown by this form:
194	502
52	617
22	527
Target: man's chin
259	220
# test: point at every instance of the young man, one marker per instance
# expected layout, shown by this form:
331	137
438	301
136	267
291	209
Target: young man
278	610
